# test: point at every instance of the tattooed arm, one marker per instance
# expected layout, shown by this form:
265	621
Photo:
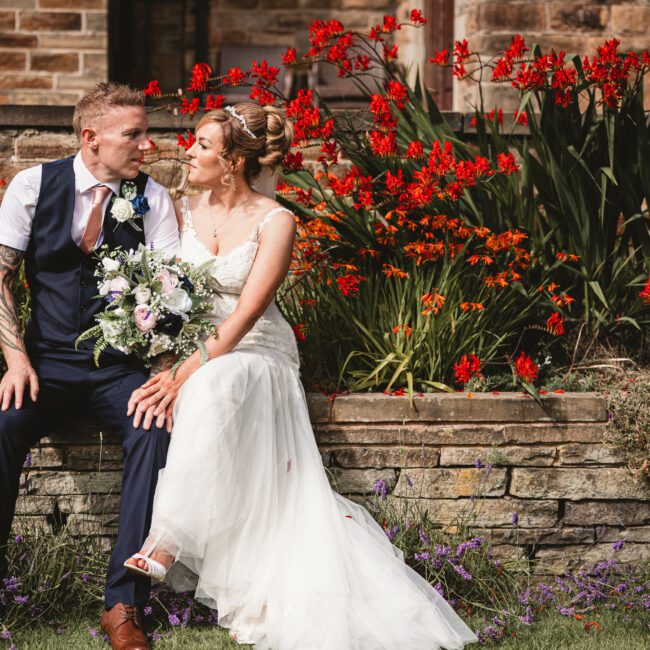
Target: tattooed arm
19	368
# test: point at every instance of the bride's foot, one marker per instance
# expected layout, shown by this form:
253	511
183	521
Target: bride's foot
153	565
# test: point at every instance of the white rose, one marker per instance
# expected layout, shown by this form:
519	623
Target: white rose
110	329
177	302
159	344
142	294
110	264
122	210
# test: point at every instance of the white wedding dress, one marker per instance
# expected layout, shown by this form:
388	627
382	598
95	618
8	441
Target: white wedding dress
245	506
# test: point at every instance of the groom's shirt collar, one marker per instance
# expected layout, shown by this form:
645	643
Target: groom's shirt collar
84	180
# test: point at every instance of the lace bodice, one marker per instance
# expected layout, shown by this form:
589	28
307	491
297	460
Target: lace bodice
271	335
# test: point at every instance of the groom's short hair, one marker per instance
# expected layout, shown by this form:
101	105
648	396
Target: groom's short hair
92	106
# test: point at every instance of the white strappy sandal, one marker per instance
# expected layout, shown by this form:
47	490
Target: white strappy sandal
155	570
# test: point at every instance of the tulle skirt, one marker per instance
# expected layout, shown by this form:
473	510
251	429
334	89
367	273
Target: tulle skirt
245	506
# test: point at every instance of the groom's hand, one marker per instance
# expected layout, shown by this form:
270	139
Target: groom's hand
12	385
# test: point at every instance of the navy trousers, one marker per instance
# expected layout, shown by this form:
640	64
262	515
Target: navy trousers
76	386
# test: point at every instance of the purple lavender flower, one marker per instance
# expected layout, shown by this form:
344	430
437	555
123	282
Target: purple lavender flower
475	542
148	610
462	572
439	588
409	482
478	464
527	618
5	634
21	600
12	584
423	538
391	532
567	611
28	459
93	632
488	469
380	488
174	620
421	557
514	518
618	545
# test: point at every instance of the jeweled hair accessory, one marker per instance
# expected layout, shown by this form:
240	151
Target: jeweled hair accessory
238	116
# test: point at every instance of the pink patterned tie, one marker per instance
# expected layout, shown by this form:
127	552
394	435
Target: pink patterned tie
94	225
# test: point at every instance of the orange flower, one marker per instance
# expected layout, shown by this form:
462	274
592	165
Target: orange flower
555	324
393	272
472	306
403	328
433	302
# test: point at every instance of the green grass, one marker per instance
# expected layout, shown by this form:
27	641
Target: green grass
551	633
556	632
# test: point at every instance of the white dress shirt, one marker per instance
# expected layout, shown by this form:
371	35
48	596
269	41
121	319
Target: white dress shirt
21	197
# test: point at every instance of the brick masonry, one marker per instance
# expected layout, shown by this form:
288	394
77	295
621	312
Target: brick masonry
572	494
51	51
577	28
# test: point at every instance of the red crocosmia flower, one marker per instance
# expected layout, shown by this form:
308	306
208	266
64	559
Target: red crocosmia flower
189	108
362	62
152	89
293	161
299	332
391	271
555	323
235	77
645	292
213	101
466	368
349	284
266	75
391	24
383	144
440	58
262	96
502	70
415	150
289	56
330	153
186	143
403	328
507	163
390	53
200	74
521	118
525	368
397	92
516	49
417	17
320	35
395	182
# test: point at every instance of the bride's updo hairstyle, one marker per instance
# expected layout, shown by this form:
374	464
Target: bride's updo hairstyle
270	141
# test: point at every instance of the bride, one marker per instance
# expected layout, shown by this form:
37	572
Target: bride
244	514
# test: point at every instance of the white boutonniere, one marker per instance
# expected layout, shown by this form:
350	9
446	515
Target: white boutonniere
129	206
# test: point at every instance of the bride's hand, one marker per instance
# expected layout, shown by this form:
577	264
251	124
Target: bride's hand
155	399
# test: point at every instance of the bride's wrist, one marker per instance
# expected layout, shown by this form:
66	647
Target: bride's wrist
189	366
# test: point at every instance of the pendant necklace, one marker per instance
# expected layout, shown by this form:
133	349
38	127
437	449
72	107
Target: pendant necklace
231	213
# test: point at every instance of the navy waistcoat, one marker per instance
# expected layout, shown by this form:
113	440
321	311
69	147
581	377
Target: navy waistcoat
61	277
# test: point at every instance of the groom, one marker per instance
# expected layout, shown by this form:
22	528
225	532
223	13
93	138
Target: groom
53	216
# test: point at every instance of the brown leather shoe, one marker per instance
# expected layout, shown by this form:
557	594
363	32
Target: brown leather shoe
123	624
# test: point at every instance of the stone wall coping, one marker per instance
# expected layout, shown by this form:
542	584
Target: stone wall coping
458	407
31	116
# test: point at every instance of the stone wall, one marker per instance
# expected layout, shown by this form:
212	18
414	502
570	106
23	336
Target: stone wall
572	494
576	28
51	51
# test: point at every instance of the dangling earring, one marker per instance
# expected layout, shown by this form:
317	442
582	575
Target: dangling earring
233	185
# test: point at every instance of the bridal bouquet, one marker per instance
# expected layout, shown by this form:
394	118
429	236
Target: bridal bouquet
155	304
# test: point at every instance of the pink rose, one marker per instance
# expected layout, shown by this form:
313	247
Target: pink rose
145	318
168	280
